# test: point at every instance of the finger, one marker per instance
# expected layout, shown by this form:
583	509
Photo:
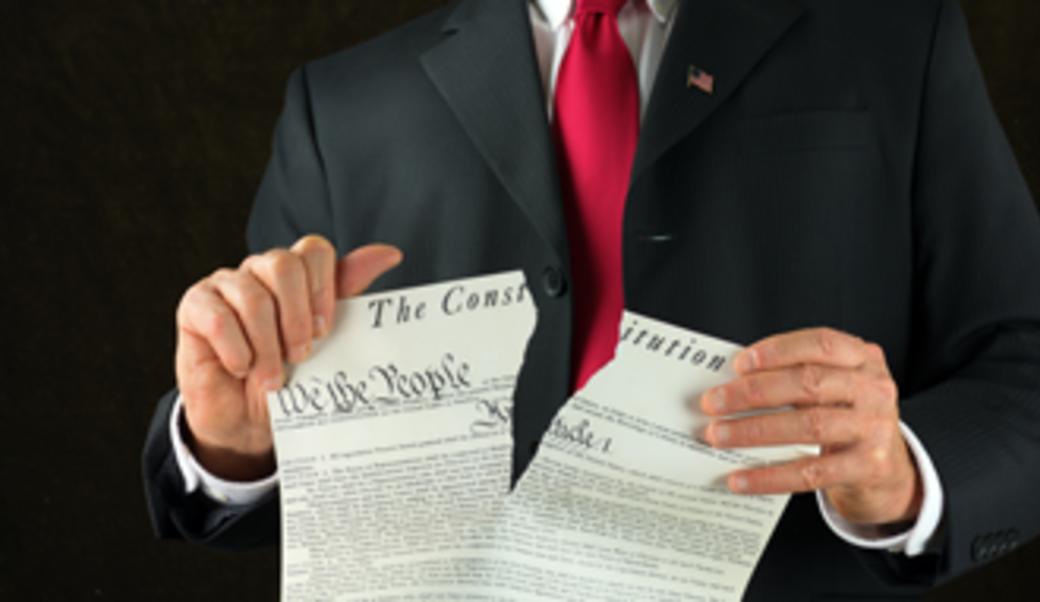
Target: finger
876	361
319	260
356	271
805	474
805	384
284	275
255	308
216	332
203	381
812	345
816	425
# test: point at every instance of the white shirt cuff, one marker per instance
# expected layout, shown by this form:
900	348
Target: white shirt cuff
195	476
913	541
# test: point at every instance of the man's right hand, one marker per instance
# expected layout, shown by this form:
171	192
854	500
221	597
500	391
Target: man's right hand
237	328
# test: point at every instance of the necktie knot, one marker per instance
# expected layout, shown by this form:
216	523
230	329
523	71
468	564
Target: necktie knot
608	7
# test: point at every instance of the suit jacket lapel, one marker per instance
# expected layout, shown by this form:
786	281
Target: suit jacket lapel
486	71
725	38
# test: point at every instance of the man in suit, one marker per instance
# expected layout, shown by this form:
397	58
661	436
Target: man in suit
822	181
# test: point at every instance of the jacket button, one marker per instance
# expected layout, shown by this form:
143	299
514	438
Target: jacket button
553	282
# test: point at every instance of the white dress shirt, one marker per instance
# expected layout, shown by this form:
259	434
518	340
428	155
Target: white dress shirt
644	26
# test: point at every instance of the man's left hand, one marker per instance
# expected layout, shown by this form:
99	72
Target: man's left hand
834	390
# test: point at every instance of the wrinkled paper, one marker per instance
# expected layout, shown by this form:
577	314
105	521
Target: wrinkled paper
394	449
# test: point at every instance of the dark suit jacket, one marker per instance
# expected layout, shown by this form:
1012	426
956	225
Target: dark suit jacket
847	171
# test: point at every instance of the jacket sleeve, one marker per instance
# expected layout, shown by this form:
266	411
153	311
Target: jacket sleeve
973	397
292	201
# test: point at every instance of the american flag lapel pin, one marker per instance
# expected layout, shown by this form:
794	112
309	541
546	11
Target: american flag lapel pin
700	79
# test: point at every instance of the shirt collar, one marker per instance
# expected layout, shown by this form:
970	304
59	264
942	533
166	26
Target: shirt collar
556	12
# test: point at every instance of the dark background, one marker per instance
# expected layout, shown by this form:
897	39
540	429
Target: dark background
134	135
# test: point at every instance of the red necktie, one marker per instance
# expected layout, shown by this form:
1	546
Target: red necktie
596	124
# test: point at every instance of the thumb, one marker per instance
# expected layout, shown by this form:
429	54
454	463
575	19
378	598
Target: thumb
359	268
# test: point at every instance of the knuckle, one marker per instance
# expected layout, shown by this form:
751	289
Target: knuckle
815	423
280	264
860	388
250	263
222	274
877	463
314	243
297	331
742	432
181	315
875	351
752	389
813	476
751	431
186	304
881	393
889	390
215	324
256	302
237	363
826	340
811	381
269	360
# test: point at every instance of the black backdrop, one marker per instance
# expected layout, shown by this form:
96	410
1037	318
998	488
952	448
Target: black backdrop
133	137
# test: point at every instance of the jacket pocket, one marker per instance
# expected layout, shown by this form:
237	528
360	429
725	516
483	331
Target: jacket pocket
832	129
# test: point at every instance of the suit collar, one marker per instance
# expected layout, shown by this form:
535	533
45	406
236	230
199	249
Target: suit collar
485	70
556	12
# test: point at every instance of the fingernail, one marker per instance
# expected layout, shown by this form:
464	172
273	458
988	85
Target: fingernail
746	361
715	400
319	327
272	384
738	483
299	353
